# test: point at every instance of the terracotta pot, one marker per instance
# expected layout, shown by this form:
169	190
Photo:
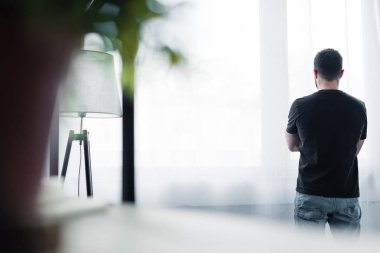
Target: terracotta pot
33	61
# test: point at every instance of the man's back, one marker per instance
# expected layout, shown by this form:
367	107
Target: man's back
329	124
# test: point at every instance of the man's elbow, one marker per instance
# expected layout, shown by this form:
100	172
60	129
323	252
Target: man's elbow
293	148
293	142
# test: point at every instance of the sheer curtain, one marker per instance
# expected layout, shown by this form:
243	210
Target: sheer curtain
212	131
371	76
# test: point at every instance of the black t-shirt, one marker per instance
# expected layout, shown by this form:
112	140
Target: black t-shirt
329	124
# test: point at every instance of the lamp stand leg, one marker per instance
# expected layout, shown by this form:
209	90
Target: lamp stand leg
87	160
67	154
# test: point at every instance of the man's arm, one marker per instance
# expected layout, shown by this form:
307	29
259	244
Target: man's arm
359	146
293	142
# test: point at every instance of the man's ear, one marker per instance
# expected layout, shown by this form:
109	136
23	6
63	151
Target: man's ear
341	73
315	78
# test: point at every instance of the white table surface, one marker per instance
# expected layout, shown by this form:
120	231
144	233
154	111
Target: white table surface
132	229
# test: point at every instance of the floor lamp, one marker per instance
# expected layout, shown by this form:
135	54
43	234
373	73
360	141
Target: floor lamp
90	90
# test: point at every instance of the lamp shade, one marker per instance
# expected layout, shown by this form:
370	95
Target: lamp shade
91	88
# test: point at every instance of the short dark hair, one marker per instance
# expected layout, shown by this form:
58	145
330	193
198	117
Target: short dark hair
328	64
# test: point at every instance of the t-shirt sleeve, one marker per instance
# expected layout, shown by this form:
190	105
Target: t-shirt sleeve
364	131
292	119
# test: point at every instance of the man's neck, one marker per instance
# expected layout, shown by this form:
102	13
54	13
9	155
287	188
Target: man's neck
328	85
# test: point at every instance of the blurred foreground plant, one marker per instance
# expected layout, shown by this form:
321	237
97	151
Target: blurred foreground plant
39	36
121	21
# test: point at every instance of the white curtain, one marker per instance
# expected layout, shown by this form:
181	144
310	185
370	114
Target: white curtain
211	132
371	76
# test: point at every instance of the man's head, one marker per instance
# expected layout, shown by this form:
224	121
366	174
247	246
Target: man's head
328	65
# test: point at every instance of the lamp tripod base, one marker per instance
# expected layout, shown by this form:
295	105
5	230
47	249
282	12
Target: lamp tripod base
84	136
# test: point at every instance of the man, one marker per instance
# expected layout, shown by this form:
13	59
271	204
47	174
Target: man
328	128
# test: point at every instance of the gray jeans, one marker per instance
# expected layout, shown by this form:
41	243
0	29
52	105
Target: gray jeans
342	214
